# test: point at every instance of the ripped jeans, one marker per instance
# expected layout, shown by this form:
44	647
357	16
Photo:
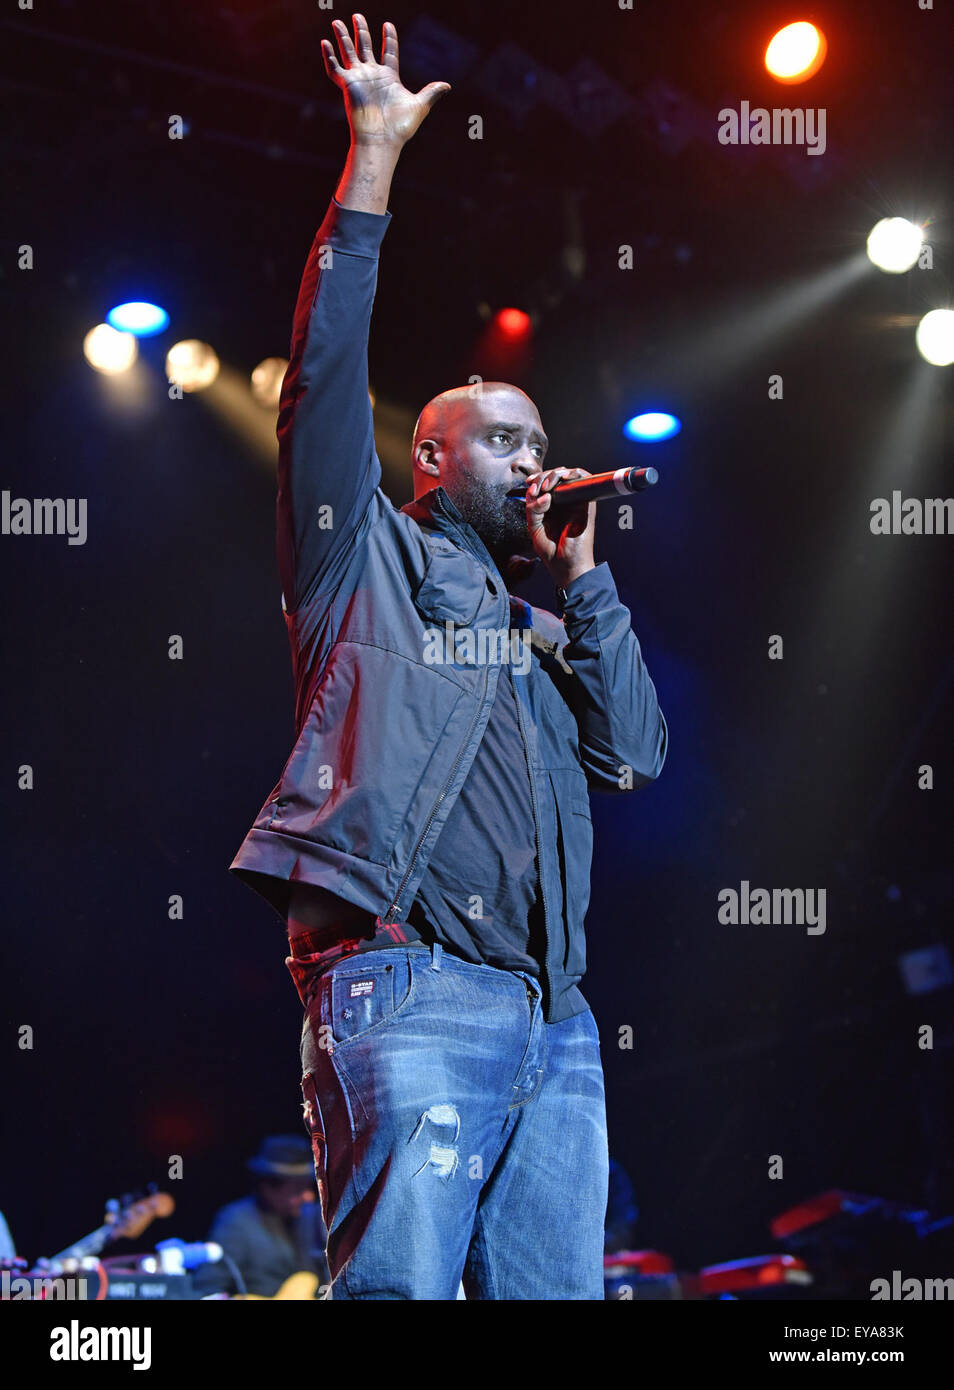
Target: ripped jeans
458	1138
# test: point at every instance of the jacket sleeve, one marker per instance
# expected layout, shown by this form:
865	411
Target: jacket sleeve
621	725
328	468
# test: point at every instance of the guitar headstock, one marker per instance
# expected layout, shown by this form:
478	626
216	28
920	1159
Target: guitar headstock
132	1218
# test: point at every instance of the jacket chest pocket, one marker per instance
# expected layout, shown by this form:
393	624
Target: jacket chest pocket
453	587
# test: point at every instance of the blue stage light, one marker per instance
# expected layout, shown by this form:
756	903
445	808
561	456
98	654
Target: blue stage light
139	318
652	426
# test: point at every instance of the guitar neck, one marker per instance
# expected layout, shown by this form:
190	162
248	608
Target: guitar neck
88	1245
130	1220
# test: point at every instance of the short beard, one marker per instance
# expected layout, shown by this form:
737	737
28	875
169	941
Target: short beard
500	521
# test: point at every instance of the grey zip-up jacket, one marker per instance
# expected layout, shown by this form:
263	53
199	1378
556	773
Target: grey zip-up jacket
372	596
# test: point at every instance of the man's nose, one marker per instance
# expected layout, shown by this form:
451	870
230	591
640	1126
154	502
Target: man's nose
529	467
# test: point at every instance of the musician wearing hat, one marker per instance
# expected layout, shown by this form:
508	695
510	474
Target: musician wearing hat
276	1230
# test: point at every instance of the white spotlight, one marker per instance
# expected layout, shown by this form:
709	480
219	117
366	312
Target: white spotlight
192	365
935	337
108	350
894	244
267	381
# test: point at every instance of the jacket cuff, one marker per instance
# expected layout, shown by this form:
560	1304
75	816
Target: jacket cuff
587	594
352	231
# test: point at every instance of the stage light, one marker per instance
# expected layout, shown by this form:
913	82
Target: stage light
267	381
139	318
513	323
935	337
108	350
796	52
652	426
192	365
894	244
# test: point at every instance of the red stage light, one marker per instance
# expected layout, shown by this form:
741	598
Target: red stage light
513	323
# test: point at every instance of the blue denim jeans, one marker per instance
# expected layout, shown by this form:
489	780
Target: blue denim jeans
458	1138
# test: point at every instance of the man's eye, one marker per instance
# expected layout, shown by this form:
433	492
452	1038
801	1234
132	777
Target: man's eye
500	435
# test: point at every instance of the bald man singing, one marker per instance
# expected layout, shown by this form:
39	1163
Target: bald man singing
428	844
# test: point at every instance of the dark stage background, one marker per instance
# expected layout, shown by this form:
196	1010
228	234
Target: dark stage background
155	1037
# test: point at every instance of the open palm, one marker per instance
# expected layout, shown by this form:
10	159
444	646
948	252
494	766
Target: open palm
379	106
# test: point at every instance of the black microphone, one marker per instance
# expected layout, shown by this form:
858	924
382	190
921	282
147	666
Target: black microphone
620	482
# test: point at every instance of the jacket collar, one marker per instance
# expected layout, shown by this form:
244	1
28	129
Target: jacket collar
435	511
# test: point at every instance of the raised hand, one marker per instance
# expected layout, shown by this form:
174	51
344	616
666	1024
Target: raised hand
380	109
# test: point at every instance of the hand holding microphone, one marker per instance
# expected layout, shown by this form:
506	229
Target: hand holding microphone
594	487
561	513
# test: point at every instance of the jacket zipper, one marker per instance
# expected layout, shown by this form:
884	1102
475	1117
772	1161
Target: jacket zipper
433	812
536	832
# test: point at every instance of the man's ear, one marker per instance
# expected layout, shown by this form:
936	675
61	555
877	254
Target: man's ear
423	457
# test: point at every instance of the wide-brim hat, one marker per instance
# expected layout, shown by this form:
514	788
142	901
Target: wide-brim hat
283	1156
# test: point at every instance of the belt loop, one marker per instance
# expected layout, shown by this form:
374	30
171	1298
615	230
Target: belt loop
436	955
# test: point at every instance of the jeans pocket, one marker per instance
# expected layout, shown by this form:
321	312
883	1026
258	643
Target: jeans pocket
366	995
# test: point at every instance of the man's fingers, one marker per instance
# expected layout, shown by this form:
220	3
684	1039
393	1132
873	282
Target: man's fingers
389	45
332	67
344	42
540	502
543	482
433	92
537	508
362	39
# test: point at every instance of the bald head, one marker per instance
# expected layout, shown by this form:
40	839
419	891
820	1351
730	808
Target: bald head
459	413
460	402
